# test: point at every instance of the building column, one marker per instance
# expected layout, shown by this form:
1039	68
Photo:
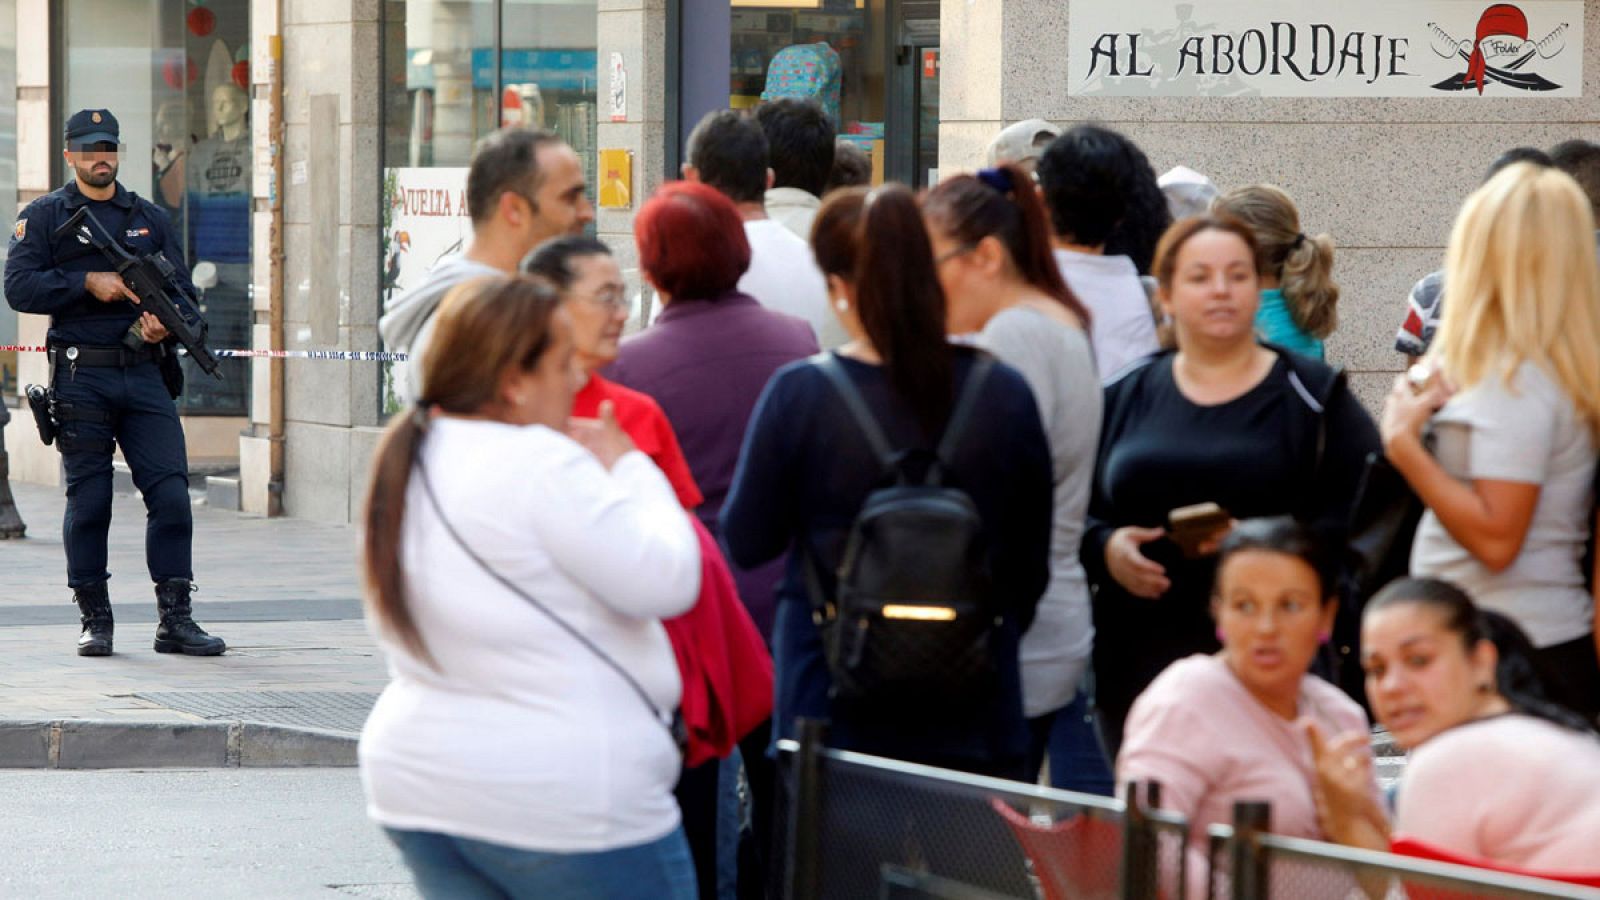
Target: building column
329	186
31	460
973	69
636	29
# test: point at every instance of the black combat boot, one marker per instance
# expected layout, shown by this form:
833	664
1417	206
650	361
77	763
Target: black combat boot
178	632
95	605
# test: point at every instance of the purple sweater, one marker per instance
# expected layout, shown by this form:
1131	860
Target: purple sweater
706	362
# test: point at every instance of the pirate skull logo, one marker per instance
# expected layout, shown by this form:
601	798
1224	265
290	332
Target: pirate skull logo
1500	52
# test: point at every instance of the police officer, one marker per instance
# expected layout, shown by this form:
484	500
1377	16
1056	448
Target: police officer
109	387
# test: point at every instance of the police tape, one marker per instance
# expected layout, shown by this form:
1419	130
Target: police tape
336	355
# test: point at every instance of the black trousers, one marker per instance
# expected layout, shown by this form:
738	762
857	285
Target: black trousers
697	800
107	406
1571	675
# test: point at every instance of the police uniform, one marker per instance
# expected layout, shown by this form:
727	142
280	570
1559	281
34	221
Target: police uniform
108	395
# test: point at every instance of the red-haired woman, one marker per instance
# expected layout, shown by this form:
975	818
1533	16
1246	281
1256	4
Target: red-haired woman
712	349
705	361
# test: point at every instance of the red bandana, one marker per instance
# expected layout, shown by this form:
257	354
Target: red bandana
1501	18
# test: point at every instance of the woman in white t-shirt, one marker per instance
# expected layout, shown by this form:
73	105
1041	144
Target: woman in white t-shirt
1514	399
517	566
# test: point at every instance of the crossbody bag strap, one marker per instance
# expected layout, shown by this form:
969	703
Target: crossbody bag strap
671	723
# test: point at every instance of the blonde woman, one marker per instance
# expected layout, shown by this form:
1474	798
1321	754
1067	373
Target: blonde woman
1298	296
1514	400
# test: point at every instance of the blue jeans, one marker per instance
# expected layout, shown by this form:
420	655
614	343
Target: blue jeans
1077	757
451	867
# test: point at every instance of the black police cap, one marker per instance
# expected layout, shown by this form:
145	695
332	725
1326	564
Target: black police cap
90	125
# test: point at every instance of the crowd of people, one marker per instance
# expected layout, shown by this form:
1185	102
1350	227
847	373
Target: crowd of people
1039	473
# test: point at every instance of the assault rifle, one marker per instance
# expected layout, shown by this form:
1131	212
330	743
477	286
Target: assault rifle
149	277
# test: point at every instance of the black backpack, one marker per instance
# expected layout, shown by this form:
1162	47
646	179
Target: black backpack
912	620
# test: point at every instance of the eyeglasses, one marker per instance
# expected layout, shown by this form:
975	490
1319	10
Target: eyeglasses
948	255
613	300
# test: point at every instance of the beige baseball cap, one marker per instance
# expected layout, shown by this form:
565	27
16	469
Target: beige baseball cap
1026	140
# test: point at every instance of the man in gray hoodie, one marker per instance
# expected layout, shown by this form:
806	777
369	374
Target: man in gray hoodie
524	188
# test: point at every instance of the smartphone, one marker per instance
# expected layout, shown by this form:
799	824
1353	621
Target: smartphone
1191	526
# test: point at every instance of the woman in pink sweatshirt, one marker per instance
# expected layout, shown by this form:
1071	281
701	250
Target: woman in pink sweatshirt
1234	726
1455	685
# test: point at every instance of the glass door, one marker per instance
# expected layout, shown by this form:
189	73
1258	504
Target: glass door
926	135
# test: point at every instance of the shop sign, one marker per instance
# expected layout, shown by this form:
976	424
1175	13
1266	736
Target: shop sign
424	220
619	89
616	179
1299	48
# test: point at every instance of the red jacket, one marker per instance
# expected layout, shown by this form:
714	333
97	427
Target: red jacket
726	669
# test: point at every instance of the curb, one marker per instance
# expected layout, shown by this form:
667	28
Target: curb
92	744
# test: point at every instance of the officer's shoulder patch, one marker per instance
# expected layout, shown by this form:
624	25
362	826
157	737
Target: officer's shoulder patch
21	230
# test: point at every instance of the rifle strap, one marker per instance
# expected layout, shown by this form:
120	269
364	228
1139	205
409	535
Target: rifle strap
119	234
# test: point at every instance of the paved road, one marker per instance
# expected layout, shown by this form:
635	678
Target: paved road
284	593
234	833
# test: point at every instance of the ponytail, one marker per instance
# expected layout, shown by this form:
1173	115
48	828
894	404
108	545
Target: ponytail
1306	276
1302	264
1517	679
385	517
877	242
1004	203
902	305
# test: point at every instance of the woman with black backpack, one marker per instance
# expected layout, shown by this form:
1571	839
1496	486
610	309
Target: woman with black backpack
912	480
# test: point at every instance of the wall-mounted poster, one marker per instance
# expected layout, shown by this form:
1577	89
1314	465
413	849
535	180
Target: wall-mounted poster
1455	49
424	220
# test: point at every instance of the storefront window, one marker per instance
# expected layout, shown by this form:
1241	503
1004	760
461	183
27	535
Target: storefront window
440	77
867	62
176	74
440	96
823	52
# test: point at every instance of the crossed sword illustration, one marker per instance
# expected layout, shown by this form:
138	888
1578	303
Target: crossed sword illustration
1447	46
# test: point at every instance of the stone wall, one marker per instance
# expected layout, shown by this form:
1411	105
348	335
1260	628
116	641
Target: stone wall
331	245
637	29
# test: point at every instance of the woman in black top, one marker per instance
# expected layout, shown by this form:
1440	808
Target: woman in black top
806	467
1222	419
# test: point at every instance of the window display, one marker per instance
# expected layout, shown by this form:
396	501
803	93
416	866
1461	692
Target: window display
440	96
871	64
183	105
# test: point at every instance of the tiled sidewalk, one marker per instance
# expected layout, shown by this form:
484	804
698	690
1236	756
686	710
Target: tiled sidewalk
284	594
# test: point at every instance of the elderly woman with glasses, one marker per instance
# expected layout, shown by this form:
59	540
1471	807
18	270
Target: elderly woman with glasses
596	299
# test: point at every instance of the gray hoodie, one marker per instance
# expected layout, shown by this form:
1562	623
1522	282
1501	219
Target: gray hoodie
407	326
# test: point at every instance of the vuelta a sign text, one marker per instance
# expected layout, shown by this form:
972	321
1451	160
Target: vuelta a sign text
1297	48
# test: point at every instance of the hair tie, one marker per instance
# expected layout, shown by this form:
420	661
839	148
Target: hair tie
999	179
419	415
1299	239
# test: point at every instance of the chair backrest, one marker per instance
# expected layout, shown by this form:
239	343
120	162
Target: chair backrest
1075	859
1402	845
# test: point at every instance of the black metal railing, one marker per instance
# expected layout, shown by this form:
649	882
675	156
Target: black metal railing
861	826
850	825
1278	866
